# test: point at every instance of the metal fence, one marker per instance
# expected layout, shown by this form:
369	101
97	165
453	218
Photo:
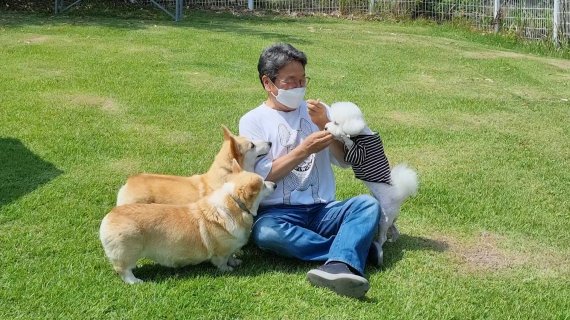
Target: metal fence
530	19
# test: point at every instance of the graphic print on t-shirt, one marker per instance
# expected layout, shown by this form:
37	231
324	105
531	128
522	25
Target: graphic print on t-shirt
305	175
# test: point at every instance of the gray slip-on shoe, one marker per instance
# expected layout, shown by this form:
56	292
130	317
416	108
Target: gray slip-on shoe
338	278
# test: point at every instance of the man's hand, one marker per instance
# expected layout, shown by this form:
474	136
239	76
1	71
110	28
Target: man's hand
316	142
318	113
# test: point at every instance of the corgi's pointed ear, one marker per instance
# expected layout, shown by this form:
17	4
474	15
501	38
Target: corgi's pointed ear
234	147
235	166
227	133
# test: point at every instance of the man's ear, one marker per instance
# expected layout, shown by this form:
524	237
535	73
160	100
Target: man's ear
227	133
266	83
235	166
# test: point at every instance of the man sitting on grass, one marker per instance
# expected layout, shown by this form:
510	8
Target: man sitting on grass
301	218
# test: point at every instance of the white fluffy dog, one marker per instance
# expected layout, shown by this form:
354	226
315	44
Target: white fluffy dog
365	153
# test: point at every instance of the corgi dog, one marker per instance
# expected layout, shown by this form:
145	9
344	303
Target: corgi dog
169	189
211	229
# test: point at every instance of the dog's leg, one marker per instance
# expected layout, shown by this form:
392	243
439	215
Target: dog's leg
221	263
122	253
383	229
126	272
129	277
378	190
233	261
393	233
347	142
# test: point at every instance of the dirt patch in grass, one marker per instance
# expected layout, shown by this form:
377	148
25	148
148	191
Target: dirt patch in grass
179	138
36	39
455	121
410	119
198	79
125	166
35	71
559	63
68	100
166	135
489	252
484	254
106	104
426	158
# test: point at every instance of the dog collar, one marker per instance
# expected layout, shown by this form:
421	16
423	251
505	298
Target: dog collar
241	205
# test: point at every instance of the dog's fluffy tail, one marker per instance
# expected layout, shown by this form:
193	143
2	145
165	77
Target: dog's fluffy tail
122	196
404	181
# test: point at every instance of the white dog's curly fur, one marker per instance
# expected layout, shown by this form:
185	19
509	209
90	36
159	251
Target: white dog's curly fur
348	121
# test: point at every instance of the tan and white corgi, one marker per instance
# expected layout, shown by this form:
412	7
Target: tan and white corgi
169	189
211	229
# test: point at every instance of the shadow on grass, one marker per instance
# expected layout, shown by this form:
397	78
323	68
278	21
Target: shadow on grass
258	262
129	18
394	252
254	262
21	171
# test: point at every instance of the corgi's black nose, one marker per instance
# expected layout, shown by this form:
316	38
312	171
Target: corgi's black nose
269	144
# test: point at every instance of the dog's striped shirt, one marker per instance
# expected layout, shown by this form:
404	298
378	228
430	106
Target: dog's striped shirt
368	160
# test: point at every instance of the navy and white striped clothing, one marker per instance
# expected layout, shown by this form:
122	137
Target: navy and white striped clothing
368	160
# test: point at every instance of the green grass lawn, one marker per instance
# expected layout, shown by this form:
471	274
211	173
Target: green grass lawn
85	102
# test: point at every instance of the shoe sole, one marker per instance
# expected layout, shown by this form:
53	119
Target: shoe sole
349	285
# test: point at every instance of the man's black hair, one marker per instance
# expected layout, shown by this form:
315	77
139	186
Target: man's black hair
275	57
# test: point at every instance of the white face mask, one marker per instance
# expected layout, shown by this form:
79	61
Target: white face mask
291	98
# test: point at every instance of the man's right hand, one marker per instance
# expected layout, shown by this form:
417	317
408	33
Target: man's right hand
316	142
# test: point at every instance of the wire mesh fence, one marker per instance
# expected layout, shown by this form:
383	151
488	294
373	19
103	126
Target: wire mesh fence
314	6
531	19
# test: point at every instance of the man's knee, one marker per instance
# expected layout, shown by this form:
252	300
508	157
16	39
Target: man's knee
266	234
370	207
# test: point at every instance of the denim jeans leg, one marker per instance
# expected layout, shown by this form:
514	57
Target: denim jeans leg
283	229
339	231
353	223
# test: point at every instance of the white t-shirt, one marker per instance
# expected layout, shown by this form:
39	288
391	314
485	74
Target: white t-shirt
312	181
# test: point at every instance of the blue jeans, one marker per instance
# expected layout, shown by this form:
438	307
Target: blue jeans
336	231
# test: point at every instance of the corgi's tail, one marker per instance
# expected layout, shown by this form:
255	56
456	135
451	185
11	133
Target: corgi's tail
122	196
405	181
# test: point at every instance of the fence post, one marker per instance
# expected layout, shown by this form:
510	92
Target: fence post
250	5
497	15
179	9
371	7
555	22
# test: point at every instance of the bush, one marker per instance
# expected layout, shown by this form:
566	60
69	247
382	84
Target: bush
27	5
